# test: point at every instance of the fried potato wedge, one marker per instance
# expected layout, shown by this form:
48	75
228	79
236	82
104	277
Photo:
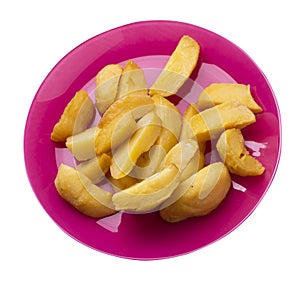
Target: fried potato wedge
236	157
218	93
82	194
179	67
138	104
95	168
112	135
198	195
82	145
132	80
75	118
210	123
149	193
126	155
107	82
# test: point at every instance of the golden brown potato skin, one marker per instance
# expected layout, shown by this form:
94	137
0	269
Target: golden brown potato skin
179	67
189	204
218	93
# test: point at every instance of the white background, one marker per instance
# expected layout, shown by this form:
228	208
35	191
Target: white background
35	35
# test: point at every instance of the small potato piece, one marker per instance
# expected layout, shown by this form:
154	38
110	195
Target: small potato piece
107	81
126	155
210	123
82	194
110	137
198	195
178	68
221	92
132	80
95	168
76	117
235	155
149	193
82	145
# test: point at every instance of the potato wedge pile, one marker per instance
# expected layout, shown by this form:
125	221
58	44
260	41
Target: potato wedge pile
151	155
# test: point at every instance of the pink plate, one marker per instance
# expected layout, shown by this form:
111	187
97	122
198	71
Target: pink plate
150	43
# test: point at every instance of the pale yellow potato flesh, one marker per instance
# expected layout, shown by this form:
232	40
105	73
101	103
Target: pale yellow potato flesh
127	154
112	135
149	193
95	168
82	145
107	83
82	194
132	80
210	123
75	118
236	157
218	93
198	195
179	67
